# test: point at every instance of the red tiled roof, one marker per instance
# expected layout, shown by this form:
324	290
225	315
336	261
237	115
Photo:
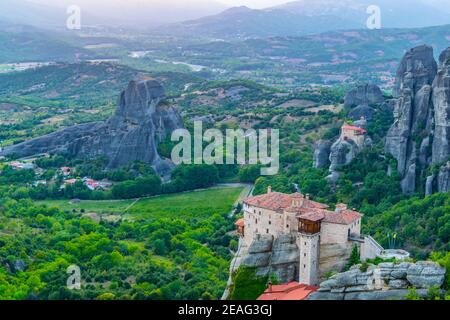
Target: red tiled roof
343	217
279	201
289	291
308	209
240	223
354	128
311	215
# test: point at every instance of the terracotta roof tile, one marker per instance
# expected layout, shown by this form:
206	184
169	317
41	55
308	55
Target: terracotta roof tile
279	201
308	209
354	128
240	223
290	291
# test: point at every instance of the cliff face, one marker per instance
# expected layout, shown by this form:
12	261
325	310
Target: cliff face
321	154
420	133
279	257
441	102
412	113
368	94
129	135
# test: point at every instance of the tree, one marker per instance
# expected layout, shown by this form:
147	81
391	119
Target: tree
250	173
354	258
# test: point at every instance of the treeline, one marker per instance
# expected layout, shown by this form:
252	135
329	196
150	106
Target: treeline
17	184
421	224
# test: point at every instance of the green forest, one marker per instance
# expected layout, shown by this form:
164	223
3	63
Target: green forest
170	247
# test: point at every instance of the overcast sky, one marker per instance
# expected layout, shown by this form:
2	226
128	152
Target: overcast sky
249	3
254	3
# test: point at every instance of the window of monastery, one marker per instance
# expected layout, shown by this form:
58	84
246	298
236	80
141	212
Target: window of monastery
270	222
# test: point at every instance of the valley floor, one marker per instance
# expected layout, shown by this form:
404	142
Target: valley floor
186	203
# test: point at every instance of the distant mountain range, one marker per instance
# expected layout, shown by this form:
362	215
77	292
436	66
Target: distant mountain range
311	17
136	14
211	18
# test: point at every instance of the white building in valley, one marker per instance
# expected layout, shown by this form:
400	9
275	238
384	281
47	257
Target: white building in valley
325	238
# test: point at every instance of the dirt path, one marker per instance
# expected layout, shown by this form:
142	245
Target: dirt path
245	193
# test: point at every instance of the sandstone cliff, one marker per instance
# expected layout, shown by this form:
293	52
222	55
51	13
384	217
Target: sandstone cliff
420	133
441	103
279	257
368	94
412	113
321	154
131	134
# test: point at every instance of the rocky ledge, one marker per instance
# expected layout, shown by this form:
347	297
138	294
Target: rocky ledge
381	282
279	257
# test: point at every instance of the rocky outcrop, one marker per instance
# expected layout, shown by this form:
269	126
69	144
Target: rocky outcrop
382	282
321	154
362	111
131	134
342	153
441	103
367	94
429	185
443	179
412	114
364	101
278	257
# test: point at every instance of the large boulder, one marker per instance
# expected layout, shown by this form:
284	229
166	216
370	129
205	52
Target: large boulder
343	151
382	282
362	111
425	274
130	135
367	94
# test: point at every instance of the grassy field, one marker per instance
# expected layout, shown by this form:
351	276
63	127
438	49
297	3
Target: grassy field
101	207
188	204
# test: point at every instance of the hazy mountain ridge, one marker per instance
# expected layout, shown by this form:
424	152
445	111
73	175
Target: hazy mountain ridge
111	13
305	17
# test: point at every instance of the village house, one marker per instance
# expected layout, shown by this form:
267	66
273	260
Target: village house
21	165
66	171
324	237
354	133
91	184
